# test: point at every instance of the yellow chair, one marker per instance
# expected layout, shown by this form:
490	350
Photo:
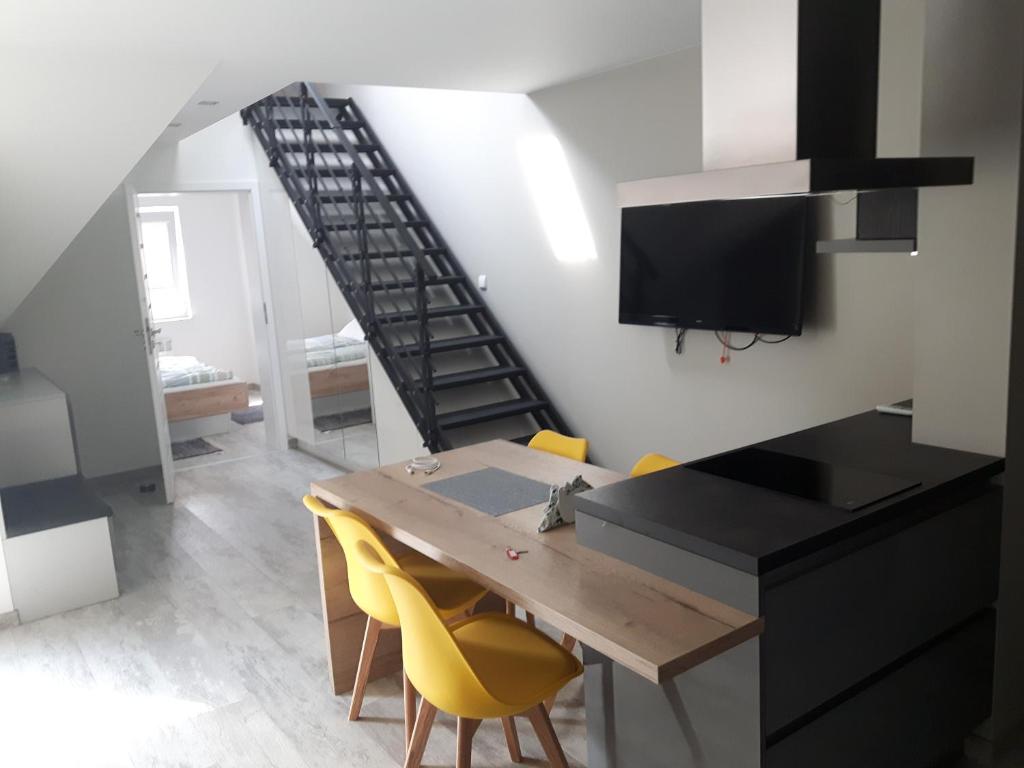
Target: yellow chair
652	462
452	594
553	442
489	665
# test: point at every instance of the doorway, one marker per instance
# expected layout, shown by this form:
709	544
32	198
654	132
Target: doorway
200	265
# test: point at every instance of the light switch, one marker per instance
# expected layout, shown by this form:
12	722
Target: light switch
481	282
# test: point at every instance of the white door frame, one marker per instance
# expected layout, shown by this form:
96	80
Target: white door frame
261	298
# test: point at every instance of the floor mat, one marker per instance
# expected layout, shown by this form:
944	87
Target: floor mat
187	449
251	415
335	421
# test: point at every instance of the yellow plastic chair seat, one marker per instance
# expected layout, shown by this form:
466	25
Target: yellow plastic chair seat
652	462
546	440
452	594
517	665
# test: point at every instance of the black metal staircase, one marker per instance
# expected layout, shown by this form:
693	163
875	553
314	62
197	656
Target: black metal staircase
422	315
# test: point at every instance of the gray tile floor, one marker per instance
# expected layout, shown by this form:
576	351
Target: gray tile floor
214	654
242	442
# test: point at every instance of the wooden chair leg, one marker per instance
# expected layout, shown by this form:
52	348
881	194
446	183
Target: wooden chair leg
370	638
546	735
530	619
409	696
508	724
464	734
568	642
420	734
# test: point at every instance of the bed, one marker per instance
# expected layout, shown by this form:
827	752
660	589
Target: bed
339	378
336	364
194	391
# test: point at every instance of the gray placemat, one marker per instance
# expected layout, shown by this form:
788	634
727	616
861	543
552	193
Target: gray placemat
493	491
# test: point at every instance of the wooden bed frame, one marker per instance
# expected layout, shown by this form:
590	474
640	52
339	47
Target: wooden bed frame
344	378
208	400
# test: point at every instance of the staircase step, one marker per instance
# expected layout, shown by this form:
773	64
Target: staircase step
353	227
336	172
296	101
325	147
337	198
354	256
411	315
479	376
295	124
450	345
401	285
490	412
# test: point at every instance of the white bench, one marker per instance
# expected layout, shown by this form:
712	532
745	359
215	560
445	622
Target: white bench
55	550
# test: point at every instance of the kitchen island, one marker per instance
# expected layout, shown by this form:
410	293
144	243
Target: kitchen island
874	563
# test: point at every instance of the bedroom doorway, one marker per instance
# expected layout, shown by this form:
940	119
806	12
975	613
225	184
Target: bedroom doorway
199	255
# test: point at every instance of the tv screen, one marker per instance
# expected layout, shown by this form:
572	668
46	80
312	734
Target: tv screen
726	265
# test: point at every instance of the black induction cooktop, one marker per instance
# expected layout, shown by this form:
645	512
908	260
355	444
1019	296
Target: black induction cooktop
839	486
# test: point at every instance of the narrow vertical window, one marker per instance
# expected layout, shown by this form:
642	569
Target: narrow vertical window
163	258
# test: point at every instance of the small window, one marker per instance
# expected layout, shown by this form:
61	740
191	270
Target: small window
163	259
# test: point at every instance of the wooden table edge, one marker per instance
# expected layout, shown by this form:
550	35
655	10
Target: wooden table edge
739	633
708	651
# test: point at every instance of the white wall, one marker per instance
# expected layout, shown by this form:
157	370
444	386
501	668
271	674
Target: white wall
901	64
963	282
324	309
81	122
220	153
78	327
622	386
974	58
220	330
397	436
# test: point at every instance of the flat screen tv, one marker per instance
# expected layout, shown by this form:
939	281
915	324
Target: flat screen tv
726	265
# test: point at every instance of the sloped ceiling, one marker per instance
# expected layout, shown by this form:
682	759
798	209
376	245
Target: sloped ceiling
91	84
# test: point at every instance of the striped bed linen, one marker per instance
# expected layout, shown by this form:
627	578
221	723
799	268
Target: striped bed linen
333	349
185	370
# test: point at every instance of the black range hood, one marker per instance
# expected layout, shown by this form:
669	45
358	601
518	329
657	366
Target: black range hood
790	106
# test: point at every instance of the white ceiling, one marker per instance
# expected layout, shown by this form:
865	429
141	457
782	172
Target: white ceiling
91	84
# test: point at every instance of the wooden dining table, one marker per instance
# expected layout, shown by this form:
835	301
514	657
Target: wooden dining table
652	626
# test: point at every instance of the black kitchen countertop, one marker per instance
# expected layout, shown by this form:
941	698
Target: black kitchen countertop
756	529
